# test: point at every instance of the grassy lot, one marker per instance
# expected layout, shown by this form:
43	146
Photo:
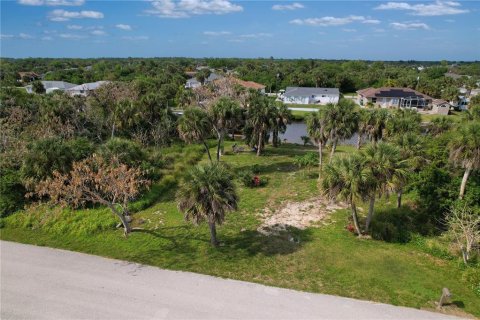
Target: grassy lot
454	115
326	259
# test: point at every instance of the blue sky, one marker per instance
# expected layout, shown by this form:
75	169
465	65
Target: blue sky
378	30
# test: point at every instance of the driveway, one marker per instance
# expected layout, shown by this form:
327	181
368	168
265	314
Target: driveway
45	283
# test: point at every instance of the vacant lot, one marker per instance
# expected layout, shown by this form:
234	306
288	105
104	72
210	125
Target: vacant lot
323	258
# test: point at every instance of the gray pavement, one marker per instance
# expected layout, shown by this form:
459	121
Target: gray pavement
45	283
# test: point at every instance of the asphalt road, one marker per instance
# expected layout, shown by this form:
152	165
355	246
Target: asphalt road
44	283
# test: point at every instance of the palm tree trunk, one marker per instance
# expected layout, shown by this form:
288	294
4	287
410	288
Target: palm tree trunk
355	218
219	145
113	131
320	154
260	143
208	150
359	141
334	147
275	138
370	212
464	182
213	234
399	198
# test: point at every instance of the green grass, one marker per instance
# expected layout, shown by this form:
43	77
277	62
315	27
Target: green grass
328	259
454	115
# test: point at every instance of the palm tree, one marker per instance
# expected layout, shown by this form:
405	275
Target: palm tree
346	178
365	120
195	126
225	114
378	125
403	121
341	122
207	194
440	125
383	162
465	151
283	117
260	118
316	129
412	149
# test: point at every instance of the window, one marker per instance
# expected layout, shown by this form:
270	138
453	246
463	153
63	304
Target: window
374	100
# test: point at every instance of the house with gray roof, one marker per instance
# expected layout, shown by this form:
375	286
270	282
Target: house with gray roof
51	86
306	95
194	83
86	88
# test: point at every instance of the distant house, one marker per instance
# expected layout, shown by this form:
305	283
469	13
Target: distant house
194	83
28	76
86	88
306	95
51	86
440	106
250	85
393	98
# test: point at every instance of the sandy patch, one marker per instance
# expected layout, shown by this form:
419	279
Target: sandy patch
299	215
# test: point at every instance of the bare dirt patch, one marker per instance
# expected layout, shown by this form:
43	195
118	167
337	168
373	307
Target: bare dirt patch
299	215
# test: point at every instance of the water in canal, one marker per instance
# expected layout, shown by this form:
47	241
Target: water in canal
297	129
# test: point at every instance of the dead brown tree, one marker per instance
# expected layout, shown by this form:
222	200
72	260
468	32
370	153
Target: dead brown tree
93	180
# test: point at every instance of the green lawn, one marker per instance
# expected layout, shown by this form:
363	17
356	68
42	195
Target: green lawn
327	259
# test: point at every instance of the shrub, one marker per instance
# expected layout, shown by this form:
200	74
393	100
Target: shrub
392	226
472	277
12	192
53	154
127	151
250	179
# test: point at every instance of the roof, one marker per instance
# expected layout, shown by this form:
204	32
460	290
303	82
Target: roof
439	102
306	91
250	84
63	85
88	86
391	93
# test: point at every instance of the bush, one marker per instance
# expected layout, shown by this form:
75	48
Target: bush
53	154
309	159
472	277
12	192
128	152
392	226
250	179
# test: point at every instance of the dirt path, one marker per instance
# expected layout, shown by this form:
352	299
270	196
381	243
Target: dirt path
299	215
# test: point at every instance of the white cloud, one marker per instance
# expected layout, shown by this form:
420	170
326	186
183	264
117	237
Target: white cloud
98	33
74	27
409	26
438	8
371	21
255	35
293	6
135	38
330	21
63	15
71	36
52	2
126	27
216	33
349	30
6	36
187	8
25	36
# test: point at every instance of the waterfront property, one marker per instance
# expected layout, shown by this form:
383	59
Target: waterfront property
393	98
306	95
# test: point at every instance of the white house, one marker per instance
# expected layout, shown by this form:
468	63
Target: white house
305	95
51	86
85	89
